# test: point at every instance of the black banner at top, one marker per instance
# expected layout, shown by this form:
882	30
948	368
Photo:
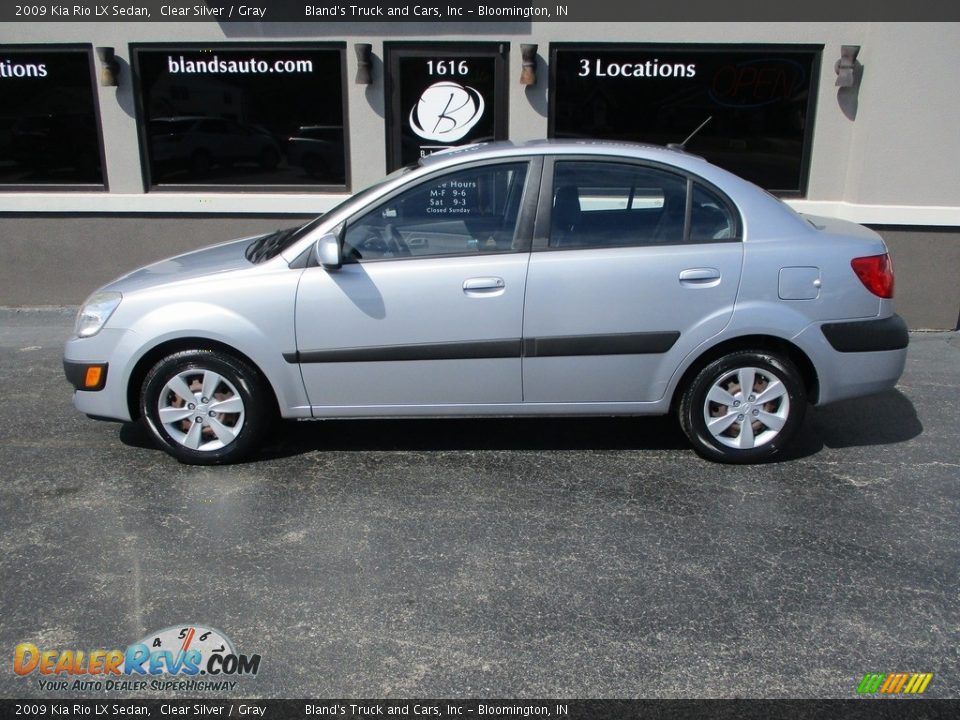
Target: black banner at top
458	11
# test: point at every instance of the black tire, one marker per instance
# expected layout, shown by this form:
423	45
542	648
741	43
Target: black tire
731	438
218	441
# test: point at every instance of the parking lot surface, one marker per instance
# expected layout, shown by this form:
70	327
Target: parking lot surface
493	558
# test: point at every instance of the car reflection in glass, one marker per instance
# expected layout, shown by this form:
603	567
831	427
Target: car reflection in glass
188	149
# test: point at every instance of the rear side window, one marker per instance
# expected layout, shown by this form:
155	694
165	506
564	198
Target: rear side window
602	204
710	217
609	204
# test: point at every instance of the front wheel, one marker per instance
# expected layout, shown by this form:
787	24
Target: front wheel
743	407
205	407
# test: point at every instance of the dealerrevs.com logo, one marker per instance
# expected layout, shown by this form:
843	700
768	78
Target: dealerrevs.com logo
187	657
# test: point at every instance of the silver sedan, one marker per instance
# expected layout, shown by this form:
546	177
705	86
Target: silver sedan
545	278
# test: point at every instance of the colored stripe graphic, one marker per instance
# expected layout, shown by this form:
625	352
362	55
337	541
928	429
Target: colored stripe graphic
894	683
918	683
870	683
890	683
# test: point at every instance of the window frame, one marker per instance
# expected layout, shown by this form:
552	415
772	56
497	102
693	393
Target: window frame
813	95
97	117
526	216
544	219
141	120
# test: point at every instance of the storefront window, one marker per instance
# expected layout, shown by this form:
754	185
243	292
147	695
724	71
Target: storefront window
761	101
256	117
49	123
442	96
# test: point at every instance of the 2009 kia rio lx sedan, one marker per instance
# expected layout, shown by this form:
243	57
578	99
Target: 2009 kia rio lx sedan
546	278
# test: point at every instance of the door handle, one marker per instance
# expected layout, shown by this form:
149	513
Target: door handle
700	276
483	285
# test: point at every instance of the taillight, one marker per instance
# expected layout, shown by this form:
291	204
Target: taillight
876	274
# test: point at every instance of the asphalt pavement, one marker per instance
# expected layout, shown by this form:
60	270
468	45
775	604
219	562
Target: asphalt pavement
491	558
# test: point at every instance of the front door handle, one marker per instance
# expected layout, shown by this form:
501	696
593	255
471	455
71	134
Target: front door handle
483	285
700	276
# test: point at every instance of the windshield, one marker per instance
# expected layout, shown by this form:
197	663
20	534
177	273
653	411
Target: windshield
353	199
271	245
792	210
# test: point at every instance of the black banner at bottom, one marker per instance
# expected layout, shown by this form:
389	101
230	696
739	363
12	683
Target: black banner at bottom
860	708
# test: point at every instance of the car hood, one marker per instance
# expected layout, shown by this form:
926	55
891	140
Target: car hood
212	260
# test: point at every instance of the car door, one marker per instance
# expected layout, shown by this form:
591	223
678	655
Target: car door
427	307
633	266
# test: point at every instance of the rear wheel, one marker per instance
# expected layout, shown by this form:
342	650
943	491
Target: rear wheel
743	407
205	407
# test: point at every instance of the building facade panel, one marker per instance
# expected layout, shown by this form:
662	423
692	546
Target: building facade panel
882	152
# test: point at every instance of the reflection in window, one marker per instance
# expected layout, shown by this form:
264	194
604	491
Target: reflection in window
760	101
464	213
264	116
49	130
710	219
603	204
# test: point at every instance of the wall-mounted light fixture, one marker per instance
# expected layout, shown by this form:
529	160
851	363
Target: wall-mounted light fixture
528	54
109	67
847	67
364	76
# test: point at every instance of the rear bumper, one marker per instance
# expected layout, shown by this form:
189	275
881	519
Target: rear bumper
867	335
856	358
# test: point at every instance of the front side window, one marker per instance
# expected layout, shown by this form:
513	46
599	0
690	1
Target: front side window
602	204
49	124
254	117
462	213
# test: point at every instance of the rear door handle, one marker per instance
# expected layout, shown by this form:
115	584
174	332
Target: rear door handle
483	285
700	276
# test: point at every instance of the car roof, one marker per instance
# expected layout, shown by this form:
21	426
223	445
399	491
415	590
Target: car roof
510	148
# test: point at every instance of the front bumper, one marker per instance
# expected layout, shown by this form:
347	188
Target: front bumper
90	377
111	350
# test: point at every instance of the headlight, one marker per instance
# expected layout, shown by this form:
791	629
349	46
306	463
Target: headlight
95	312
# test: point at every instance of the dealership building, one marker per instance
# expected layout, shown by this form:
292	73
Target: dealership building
126	142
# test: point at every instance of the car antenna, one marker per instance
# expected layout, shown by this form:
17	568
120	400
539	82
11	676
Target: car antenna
683	145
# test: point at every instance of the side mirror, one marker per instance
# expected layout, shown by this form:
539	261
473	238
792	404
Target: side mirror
327	251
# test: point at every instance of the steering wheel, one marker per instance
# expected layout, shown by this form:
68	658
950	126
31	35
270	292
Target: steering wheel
373	245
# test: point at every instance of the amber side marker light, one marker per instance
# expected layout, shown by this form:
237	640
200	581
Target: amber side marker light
90	377
93	376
